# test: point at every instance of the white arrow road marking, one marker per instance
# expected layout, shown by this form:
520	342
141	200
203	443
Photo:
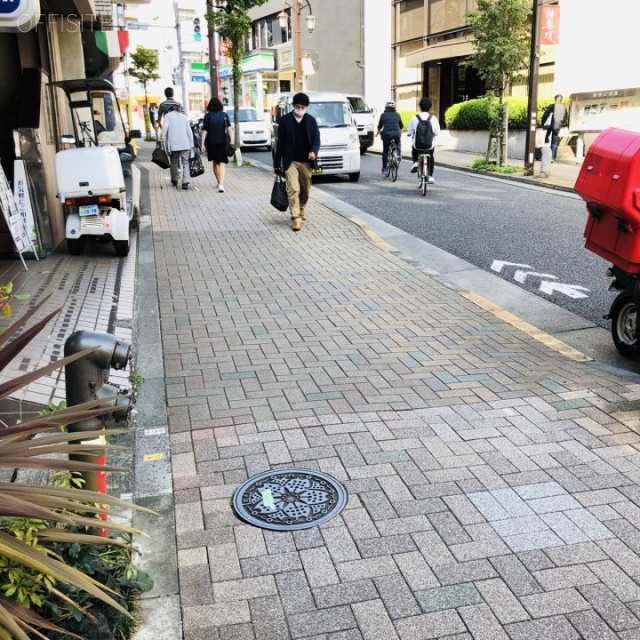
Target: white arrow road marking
497	265
521	276
571	290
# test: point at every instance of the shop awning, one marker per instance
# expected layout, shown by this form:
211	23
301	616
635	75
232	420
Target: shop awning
459	48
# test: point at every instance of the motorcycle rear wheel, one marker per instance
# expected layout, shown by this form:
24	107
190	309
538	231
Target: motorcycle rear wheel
624	318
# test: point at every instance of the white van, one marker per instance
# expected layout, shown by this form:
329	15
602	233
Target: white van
365	121
339	144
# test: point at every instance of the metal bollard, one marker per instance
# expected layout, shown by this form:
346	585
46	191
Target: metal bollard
86	380
545	162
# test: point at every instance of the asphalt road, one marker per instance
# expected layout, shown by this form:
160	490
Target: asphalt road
486	221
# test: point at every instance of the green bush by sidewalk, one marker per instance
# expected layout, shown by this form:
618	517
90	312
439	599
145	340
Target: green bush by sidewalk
481	114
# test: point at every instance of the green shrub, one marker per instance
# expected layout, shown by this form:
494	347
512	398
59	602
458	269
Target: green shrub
468	116
482	114
406	118
480	164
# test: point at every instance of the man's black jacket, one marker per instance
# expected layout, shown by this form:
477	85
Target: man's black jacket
286	141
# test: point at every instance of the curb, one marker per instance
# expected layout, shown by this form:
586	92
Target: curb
159	613
506	176
490	174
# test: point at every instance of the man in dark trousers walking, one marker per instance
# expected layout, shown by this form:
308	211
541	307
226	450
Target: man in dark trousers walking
296	154
553	119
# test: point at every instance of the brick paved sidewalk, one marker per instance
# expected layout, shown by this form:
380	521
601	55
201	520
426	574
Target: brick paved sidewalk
494	485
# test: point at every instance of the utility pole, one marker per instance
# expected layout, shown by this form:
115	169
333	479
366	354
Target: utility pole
532	103
183	79
213	55
297	45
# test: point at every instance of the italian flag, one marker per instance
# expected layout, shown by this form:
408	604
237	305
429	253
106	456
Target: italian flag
114	44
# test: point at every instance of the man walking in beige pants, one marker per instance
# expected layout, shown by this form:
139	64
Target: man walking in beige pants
296	151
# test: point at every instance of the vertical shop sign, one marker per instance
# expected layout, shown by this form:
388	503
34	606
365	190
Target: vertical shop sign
22	197
550	25
13	218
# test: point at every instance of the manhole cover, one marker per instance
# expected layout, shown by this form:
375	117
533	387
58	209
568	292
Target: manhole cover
289	499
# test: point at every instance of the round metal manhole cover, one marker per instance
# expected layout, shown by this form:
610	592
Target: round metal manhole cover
289	499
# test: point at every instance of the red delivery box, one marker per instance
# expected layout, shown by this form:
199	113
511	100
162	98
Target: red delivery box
609	182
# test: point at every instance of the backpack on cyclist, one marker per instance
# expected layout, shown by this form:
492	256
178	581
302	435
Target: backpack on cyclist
423	140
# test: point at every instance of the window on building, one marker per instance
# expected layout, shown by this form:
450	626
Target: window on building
262	34
445	15
410	20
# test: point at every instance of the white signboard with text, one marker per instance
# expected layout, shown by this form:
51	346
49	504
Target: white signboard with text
13	218
22	197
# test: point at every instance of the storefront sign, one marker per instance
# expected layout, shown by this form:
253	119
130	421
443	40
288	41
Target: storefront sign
199	72
258	62
12	217
249	64
22	197
550	26
307	66
598	110
19	15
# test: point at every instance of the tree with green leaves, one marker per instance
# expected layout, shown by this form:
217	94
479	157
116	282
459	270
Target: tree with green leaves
143	67
502	41
231	20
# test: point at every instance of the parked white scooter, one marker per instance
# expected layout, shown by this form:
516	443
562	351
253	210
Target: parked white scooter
97	182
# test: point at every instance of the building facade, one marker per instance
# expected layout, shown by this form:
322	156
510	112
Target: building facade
348	51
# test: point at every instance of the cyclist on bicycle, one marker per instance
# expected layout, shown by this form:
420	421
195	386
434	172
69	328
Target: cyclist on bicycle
425	115
389	127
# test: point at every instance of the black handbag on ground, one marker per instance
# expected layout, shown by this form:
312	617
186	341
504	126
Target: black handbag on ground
196	168
160	157
279	198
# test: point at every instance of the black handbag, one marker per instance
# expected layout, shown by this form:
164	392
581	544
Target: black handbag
279	198
196	168
160	157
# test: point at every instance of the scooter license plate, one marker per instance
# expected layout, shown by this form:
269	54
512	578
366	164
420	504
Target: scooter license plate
88	210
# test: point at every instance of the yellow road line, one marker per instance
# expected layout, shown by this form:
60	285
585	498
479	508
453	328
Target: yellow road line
525	327
374	237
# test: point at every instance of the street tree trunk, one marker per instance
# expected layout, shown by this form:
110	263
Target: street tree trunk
147	119
237	78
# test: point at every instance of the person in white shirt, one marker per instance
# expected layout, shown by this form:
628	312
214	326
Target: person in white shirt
425	114
178	142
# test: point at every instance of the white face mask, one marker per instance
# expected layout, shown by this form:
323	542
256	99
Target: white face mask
299	112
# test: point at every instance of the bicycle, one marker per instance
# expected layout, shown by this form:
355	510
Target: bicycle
424	160
393	160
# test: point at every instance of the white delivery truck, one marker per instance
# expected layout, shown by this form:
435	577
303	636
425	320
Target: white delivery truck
339	143
364	117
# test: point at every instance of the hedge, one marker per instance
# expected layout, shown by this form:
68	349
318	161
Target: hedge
482	114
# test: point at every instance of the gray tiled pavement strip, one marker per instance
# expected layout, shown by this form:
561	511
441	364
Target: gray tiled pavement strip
494	483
